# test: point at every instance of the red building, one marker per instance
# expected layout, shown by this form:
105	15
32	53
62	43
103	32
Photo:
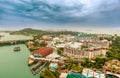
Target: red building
42	52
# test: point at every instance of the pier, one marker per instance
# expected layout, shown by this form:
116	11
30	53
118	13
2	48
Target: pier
37	65
35	71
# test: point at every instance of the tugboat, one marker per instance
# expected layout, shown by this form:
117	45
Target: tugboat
17	49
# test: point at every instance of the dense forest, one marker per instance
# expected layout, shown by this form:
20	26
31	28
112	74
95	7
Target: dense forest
114	51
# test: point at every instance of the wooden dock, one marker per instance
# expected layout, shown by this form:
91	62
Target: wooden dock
34	72
37	65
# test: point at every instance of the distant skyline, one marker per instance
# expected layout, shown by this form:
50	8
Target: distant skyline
59	14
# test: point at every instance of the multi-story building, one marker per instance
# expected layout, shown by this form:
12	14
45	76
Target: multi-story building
96	43
94	48
103	36
86	53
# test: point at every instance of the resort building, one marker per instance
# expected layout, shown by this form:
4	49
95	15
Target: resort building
88	45
96	43
91	50
73	49
103	36
65	38
43	52
87	53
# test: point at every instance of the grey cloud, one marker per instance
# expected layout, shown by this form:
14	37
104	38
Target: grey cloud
61	11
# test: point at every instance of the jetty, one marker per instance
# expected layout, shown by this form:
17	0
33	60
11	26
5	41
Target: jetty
37	65
35	71
41	68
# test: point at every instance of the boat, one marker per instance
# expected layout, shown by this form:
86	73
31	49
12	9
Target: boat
17	49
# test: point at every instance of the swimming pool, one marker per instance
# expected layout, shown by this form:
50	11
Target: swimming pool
53	67
74	75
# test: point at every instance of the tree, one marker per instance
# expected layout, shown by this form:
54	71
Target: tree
49	74
87	63
114	51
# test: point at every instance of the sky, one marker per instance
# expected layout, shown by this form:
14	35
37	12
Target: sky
59	14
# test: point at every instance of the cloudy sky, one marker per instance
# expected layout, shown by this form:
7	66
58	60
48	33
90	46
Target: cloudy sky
62	14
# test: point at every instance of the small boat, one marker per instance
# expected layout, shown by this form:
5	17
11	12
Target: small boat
17	49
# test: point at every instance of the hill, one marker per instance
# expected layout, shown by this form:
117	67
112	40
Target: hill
36	32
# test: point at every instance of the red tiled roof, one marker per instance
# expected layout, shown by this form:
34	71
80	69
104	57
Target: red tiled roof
44	51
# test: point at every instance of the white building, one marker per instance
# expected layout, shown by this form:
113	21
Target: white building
56	39
60	45
73	49
63	75
85	53
88	73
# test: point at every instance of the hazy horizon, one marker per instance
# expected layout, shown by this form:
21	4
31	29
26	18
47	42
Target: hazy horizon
110	31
